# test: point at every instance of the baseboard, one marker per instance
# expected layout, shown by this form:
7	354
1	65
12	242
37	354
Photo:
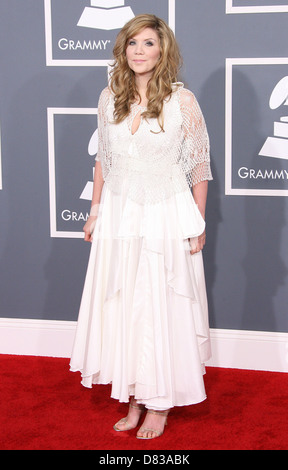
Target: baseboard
36	337
239	349
256	350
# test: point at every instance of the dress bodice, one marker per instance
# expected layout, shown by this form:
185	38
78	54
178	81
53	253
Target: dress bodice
157	163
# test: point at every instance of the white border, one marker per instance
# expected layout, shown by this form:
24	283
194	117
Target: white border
255	9
229	191
52	175
237	349
84	63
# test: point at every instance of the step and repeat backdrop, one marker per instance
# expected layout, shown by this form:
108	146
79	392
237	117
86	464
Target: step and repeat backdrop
55	57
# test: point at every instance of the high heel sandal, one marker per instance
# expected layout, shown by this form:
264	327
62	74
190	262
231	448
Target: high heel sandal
151	430
128	427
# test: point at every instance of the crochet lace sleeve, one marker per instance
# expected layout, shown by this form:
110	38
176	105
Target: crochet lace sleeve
195	155
103	154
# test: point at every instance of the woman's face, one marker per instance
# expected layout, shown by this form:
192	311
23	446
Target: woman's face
143	52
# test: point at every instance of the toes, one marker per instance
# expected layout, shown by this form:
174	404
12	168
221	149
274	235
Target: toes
147	434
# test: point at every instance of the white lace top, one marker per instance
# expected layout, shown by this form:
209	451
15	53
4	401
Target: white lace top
153	164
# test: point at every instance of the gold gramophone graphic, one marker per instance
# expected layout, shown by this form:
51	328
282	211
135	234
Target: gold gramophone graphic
277	146
105	14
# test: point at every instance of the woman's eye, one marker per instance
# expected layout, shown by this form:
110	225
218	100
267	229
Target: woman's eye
131	43
149	43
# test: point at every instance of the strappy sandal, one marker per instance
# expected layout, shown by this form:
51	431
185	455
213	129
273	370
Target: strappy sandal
128	427
151	430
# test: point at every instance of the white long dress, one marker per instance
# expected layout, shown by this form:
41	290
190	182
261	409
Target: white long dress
143	320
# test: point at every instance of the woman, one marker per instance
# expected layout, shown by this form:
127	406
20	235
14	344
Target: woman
143	321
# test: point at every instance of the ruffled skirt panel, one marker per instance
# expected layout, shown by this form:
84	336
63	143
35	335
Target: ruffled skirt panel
143	320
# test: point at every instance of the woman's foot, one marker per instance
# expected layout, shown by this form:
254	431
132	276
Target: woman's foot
132	419
153	425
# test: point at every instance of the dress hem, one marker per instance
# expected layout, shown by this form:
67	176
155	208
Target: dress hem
139	401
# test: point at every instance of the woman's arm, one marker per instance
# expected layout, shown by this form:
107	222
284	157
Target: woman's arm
200	191
96	197
196	150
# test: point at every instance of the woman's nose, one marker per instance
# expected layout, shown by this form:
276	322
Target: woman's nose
139	49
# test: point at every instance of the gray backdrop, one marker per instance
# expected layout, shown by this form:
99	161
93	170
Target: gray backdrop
51	75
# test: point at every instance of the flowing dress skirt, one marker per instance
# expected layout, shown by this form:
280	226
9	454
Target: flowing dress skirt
143	320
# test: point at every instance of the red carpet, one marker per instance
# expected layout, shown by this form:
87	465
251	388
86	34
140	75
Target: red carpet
44	407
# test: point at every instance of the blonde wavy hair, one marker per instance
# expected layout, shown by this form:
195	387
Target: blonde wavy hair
122	79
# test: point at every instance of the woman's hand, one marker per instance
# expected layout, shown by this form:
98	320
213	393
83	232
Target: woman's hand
197	244
89	228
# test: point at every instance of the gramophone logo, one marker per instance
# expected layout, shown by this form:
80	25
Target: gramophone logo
277	146
92	151
77	37
106	14
82	32
256	153
72	147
